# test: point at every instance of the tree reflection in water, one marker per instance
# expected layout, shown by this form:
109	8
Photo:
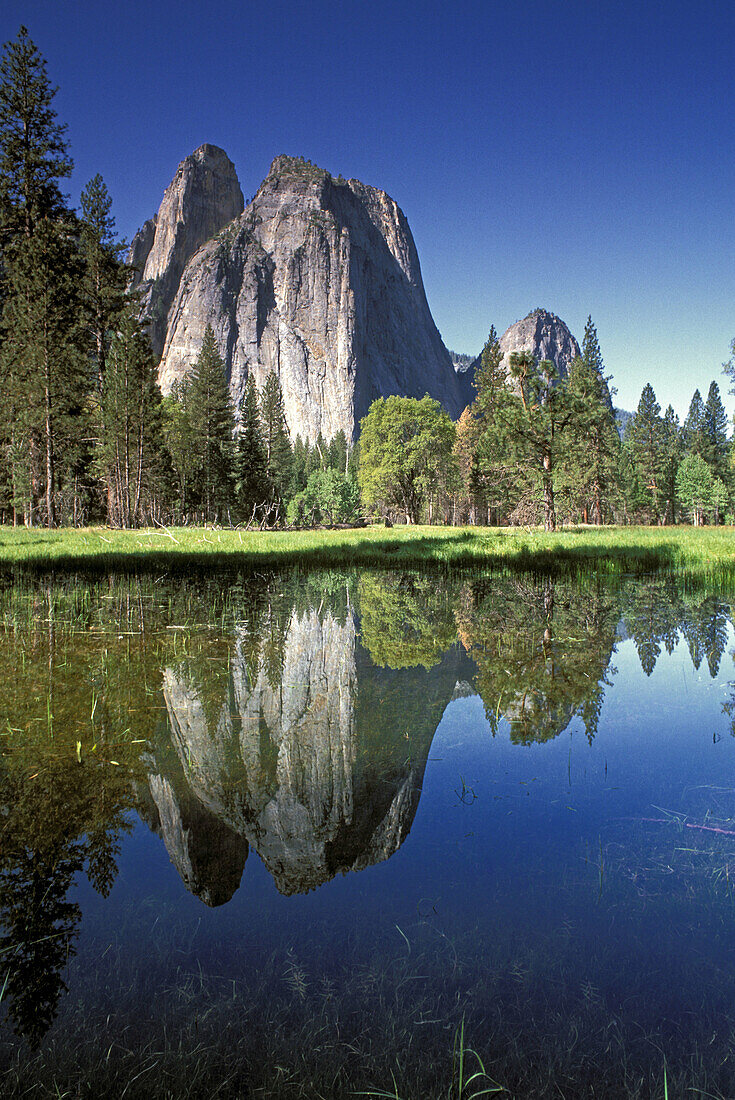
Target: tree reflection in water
289	714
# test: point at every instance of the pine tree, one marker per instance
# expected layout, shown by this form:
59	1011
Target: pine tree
252	487
490	378
42	383
338	453
129	458
715	433
591	459
33	152
212	426
496	477
179	443
279	455
532	421
694	437
644	436
105	275
299	476
671	453
591	354
44	372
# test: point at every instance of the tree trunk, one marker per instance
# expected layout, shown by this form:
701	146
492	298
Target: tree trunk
549	513
51	518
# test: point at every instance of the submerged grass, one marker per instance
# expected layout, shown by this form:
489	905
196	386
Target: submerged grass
705	553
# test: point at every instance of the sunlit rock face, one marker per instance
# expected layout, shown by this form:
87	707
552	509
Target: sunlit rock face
202	198
283	762
319	281
543	334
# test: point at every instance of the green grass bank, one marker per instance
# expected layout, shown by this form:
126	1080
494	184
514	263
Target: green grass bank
706	553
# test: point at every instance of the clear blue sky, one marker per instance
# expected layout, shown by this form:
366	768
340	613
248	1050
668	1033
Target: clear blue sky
572	155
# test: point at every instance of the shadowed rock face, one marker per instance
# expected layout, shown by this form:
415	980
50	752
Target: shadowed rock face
319	281
209	856
313	770
203	196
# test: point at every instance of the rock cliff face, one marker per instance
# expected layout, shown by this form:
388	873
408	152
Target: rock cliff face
547	337
543	334
319	281
203	196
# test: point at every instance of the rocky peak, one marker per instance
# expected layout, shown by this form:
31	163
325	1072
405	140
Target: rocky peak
319	281
543	334
202	198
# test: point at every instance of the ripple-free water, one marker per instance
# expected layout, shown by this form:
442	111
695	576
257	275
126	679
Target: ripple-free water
307	836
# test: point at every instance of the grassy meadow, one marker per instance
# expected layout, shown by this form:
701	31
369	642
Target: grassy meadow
704	553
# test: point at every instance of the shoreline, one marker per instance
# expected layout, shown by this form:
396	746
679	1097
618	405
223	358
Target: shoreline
703	553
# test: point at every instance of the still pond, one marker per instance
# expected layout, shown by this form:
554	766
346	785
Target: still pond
318	835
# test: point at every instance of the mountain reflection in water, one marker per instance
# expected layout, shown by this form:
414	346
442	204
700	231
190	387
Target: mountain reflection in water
290	715
318	770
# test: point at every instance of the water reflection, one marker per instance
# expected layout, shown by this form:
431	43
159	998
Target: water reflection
319	770
286	715
543	651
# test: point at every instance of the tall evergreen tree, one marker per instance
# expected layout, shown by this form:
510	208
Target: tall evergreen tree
279	455
496	475
591	457
179	442
212	426
715	432
694	437
591	354
671	454
644	439
251	485
338	453
41	381
130	448
531	421
105	275
299	475
33	151
43	366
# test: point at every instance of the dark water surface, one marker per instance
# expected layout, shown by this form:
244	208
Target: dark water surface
317	835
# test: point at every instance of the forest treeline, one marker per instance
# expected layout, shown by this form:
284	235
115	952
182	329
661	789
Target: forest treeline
86	436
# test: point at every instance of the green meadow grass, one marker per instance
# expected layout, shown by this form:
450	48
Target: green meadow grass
705	553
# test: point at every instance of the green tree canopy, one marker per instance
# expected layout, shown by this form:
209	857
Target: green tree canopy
252	486
405	454
694	488
105	278
278	451
130	450
715	433
590	461
33	151
644	442
212	426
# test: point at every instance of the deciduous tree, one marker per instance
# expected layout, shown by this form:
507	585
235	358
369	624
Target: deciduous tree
405	454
